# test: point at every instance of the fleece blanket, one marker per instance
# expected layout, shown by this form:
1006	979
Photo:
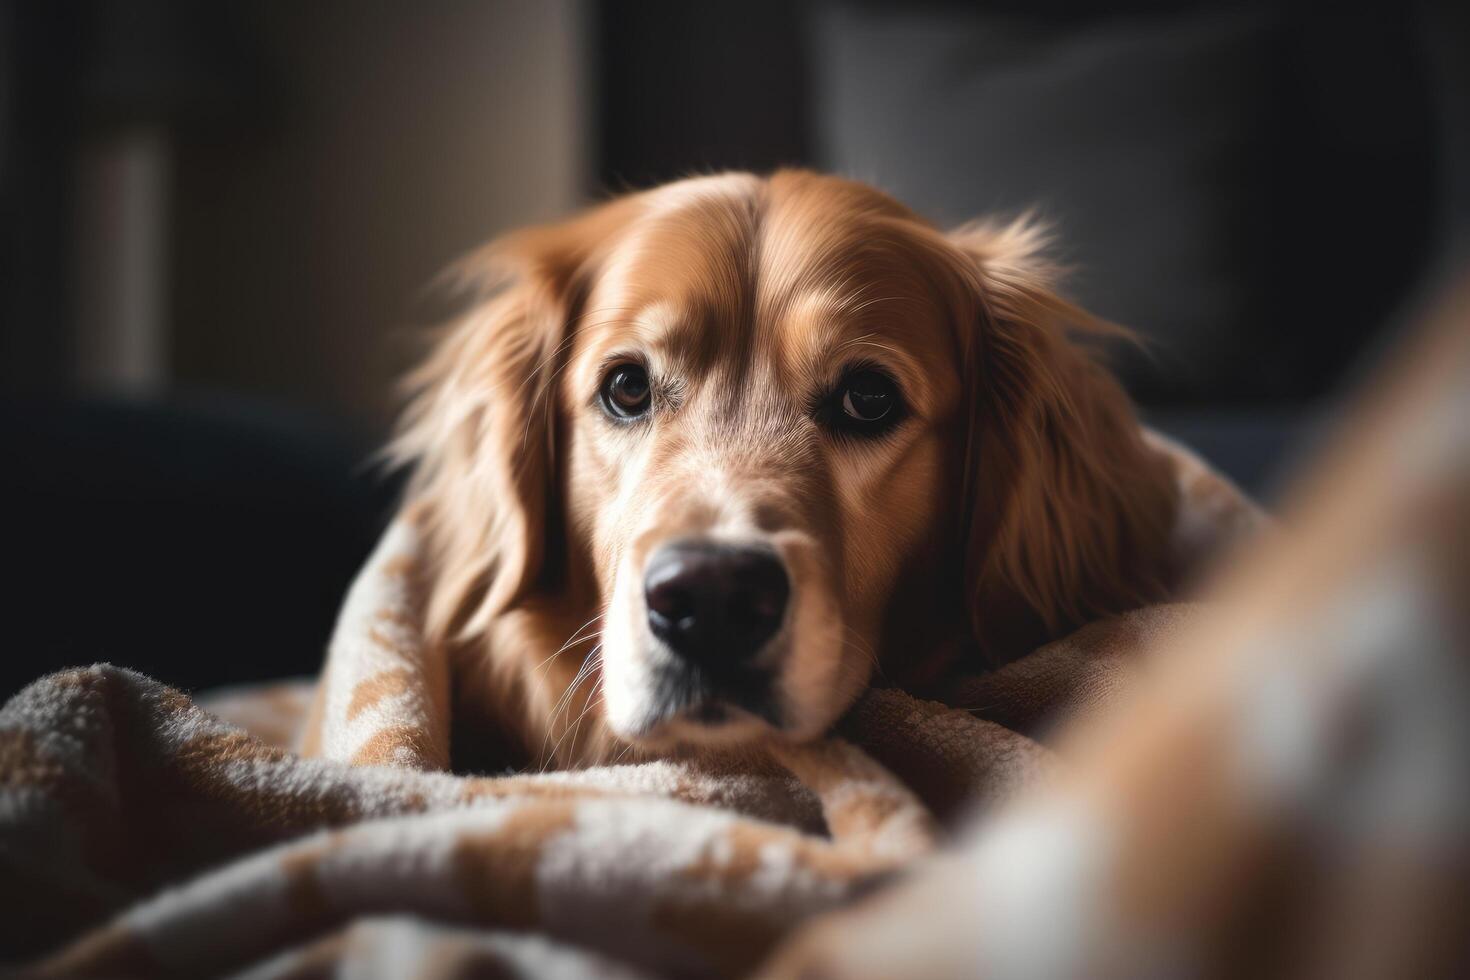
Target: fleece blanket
143	833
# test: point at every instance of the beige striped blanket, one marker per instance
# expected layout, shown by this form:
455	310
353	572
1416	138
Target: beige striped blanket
143	833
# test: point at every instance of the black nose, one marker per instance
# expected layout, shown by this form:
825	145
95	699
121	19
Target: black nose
715	604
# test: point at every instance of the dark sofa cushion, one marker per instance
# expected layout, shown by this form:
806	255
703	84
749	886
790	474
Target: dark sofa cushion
202	541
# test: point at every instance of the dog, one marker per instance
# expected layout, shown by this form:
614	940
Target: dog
703	462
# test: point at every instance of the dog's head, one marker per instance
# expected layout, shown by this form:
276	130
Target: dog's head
771	430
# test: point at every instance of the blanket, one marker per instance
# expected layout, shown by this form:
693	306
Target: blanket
284	832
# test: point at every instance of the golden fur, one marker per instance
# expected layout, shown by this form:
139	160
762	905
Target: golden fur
1017	500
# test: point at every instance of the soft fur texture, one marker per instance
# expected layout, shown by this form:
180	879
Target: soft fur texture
1017	501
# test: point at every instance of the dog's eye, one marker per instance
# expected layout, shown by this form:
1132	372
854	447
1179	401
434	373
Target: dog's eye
865	403
625	391
868	396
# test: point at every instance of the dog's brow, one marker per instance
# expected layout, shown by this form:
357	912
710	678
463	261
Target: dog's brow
622	326
696	339
664	329
824	331
659	318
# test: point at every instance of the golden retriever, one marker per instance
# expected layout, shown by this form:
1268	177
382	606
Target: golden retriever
709	456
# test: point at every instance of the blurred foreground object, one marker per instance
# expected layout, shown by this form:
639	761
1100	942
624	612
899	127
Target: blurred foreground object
1288	792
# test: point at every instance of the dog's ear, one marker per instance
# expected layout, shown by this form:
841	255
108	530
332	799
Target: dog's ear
1069	511
481	418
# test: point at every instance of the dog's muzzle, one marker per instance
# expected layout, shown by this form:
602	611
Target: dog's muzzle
715	606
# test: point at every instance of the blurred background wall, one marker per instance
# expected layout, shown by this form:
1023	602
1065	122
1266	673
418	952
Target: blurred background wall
256	196
295	175
220	224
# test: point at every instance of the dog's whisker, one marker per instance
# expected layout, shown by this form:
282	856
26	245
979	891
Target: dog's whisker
972	708
577	636
536	368
622	754
578	632
564	703
848	638
594	698
873	343
565	647
873	301
574	640
852	341
851	638
575	727
566	691
570	338
542	398
577	320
